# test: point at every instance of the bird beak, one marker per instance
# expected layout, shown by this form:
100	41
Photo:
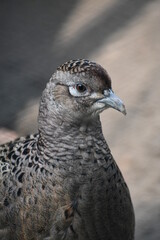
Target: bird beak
113	101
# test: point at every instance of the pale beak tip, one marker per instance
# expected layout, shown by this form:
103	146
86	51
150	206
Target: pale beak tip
123	110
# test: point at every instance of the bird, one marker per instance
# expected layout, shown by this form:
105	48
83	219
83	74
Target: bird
63	183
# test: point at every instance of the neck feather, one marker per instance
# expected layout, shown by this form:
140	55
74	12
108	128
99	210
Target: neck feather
66	138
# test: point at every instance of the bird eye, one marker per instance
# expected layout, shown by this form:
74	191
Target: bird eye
78	90
81	88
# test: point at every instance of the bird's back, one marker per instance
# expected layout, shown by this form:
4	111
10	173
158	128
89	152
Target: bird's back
17	181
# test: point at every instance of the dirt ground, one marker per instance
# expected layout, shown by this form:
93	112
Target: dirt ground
124	37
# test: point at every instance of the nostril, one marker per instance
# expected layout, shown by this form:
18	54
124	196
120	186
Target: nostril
106	93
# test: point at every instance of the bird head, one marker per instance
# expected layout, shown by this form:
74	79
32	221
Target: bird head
80	90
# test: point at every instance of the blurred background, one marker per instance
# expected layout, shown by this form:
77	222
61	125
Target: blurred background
124	37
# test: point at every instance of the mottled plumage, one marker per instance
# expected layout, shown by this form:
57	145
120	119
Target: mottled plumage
63	182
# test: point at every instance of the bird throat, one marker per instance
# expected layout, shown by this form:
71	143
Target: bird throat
68	141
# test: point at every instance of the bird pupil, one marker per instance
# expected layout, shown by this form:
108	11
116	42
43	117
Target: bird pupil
81	88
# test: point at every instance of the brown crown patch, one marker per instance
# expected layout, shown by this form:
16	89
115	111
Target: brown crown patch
76	66
86	66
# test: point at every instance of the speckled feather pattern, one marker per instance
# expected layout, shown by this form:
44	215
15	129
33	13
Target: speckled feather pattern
77	66
63	183
85	68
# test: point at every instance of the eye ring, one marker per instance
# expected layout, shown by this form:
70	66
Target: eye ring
81	88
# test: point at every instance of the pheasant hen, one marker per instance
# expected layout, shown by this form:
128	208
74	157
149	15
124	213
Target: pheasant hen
63	183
